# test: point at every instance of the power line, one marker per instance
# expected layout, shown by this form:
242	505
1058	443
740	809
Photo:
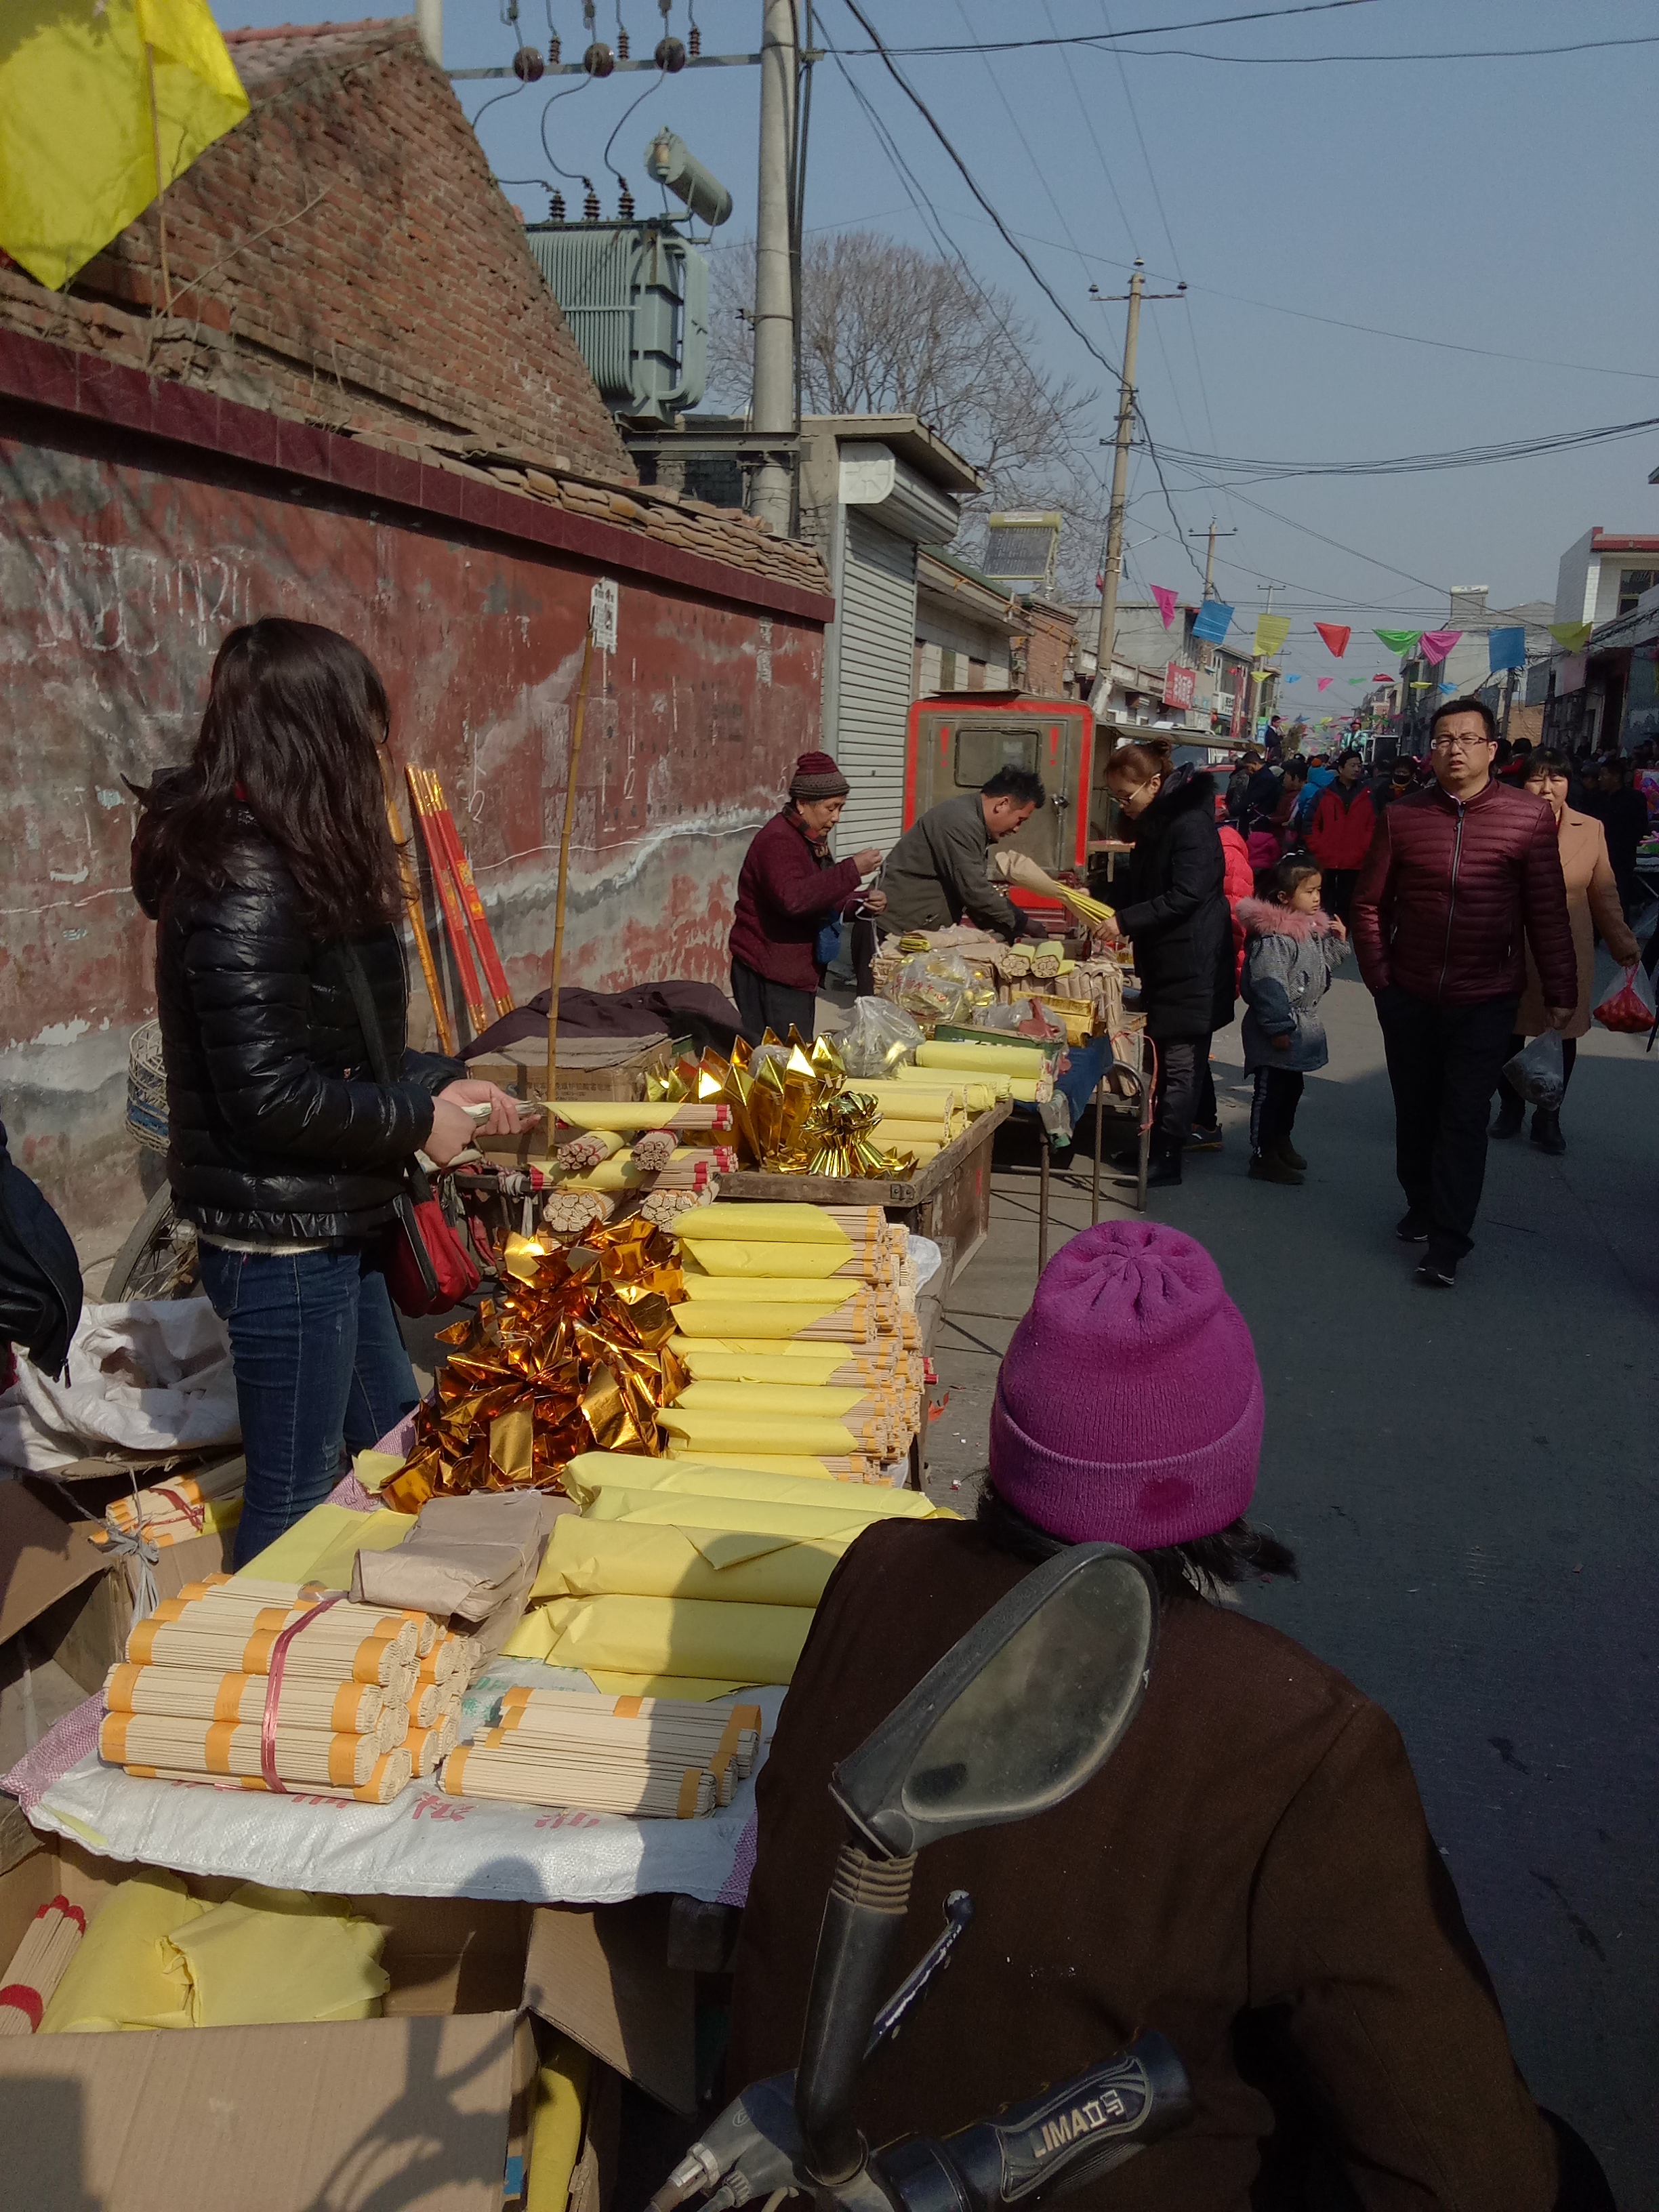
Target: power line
1097	38
1459	457
1310	61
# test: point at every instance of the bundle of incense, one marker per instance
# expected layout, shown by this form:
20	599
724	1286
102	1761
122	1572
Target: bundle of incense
427	1631
206	1749
858	1222
413	1633
610	1113
597	1761
37	1964
229	1642
172	1512
391	1776
303	1701
723	1731
428	1747
429	1701
849	1402
520	1774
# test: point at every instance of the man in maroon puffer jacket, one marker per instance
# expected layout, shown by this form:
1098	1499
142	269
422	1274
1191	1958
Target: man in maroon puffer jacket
1457	871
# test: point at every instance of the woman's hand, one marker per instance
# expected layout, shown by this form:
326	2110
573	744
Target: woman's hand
453	1129
874	901
869	860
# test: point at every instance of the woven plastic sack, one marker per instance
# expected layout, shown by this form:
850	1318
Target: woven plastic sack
1629	1010
1539	1073
877	1038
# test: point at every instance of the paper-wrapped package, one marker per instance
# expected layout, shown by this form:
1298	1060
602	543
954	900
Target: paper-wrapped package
625	1558
714	1360
669	1636
471	1559
589	1476
774	1221
1027	1060
812	1296
271	1955
322	1547
712	1429
759	1515
818	1401
120	1977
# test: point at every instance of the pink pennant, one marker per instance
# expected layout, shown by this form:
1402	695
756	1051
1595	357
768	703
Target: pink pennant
1166	603
1435	644
1326	681
1336	635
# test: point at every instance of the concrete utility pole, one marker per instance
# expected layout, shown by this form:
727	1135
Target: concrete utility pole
773	408
1209	558
1126	419
1256	689
429	21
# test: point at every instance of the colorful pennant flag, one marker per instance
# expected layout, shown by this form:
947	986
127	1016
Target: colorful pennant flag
1326	682
1211	622
1336	635
1398	640
1260	675
1575	636
88	96
1506	649
1387	676
1449	687
1166	603
1292	679
1436	644
1271	632
1423	683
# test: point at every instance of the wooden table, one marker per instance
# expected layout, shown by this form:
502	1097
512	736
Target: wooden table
948	1199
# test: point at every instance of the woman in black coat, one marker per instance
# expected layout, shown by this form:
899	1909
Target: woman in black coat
1176	915
268	868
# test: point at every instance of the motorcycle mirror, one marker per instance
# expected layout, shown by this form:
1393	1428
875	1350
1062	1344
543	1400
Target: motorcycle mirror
1019	1714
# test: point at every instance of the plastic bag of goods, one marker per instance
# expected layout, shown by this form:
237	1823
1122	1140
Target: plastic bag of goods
940	987
1629	1010
1538	1071
878	1038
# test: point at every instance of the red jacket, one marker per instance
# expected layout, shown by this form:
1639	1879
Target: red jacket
1339	835
786	891
1447	891
1237	883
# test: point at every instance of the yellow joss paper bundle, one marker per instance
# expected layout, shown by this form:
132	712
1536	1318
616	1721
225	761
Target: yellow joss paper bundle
270	1955
813	1263
589	1476
818	1401
712	1429
774	1321
321	1545
671	1636
813	1297
982	1058
768	1221
556	2124
846	1511
119	1976
624	1558
710	1360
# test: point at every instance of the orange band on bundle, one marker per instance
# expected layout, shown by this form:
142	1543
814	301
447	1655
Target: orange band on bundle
348	1704
227	1697
215	1751
112	1738
142	1642
686	1808
118	1690
455	1768
627	1708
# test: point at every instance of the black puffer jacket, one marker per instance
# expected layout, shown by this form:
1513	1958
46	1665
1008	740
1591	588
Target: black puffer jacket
1176	913
279	1132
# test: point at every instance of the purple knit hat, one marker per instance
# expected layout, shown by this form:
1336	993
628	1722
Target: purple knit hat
1128	1407
816	776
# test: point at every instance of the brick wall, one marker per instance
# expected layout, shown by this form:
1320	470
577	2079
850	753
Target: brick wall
345	256
1048	642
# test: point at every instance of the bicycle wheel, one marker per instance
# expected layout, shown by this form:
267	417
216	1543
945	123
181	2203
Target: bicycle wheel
158	1260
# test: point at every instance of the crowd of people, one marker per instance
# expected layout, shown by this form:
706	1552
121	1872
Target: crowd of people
1472	884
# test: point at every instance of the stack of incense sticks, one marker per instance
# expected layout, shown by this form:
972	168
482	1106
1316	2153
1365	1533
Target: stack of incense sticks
270	1686
458	898
648	1757
37	1964
190	1505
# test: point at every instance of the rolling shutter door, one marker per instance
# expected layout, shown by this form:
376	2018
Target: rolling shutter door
875	623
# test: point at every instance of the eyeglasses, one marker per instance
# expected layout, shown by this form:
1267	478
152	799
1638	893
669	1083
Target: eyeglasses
1456	745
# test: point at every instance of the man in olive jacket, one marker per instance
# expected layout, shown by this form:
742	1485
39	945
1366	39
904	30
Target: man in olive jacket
940	870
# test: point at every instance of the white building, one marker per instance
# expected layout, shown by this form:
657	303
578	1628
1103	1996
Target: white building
1603	575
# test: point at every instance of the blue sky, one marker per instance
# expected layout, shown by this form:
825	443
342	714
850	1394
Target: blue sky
1502	205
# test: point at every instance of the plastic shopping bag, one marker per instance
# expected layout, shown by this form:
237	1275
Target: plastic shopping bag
1630	1008
877	1038
1538	1071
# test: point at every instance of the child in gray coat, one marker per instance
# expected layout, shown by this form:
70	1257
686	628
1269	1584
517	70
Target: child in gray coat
1291	948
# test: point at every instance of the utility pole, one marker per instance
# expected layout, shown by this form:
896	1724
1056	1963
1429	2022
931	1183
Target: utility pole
1209	558
773	407
1126	418
430	22
1255	658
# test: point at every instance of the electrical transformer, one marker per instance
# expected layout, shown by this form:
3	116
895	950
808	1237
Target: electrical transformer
635	296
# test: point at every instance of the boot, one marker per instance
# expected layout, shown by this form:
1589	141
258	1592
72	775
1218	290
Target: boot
1511	1112
1164	1172
1286	1152
1272	1167
1547	1129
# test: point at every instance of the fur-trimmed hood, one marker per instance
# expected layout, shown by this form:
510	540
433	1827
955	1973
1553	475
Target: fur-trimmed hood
1267	918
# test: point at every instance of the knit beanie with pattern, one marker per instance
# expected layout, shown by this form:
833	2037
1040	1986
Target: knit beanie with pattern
816	776
1129	1409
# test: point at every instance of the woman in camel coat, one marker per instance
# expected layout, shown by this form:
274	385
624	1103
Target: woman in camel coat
1592	904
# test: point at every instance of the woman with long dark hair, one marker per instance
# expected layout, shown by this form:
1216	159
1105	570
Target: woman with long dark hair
267	867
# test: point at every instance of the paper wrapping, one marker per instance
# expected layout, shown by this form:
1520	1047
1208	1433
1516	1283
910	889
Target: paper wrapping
770	1220
983	1059
602	1471
821	1401
725	1256
849	1470
842	1514
795	1362
671	1636
813	1297
624	1558
714	1429
266	1956
706	1318
322	1547
118	1976
555	2125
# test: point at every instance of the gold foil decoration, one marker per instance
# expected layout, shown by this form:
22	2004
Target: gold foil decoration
510	1439
837	1141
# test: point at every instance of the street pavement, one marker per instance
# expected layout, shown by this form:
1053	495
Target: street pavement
1470	1482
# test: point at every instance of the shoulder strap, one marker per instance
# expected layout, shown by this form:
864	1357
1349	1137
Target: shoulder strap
368	1020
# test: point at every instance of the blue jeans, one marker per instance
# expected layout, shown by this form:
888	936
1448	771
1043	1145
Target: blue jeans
319	1362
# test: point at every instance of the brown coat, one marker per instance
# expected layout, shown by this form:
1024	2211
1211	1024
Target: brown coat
1251	1874
1592	904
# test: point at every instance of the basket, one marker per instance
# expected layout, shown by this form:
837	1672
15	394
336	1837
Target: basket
147	1088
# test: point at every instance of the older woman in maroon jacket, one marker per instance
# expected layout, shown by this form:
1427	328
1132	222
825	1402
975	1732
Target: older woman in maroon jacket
1463	876
787	889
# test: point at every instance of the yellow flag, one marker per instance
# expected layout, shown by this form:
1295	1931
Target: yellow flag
78	133
1271	632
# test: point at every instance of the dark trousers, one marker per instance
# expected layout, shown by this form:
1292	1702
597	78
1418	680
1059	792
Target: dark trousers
1568	1056
1272	1109
765	1004
1443	1065
1179	1060
1336	891
320	1363
1206	1114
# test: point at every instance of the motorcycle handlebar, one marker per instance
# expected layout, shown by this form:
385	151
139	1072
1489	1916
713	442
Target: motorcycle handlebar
1053	2142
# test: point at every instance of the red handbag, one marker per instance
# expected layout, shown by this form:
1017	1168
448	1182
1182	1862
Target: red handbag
427	1268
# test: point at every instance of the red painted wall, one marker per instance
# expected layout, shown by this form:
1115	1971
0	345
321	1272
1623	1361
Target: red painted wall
123	561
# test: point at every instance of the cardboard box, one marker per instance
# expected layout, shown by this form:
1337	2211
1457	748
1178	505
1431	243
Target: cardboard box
426	2108
589	1067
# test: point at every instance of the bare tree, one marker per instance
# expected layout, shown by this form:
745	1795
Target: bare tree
887	328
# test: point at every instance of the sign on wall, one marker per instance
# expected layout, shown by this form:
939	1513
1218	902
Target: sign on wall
1180	686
